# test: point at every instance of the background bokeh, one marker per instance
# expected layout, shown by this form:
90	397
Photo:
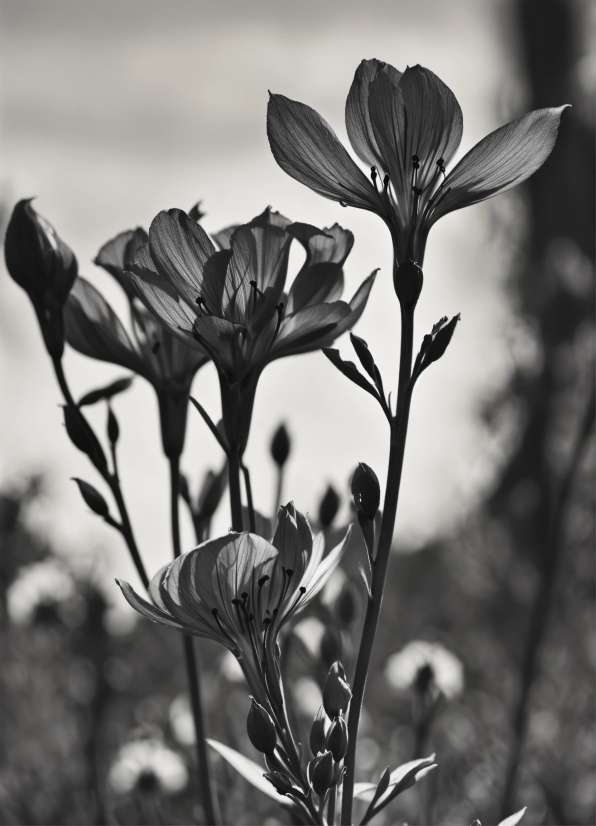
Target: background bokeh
111	111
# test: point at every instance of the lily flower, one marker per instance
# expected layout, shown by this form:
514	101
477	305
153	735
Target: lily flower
240	590
231	303
166	362
406	127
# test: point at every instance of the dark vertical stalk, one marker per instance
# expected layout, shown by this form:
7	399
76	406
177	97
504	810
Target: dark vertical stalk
235	494
399	430
279	488
249	503
208	793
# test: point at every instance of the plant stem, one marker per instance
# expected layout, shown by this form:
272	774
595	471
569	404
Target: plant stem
235	495
541	608
331	809
112	480
208	793
279	489
251	510
399	430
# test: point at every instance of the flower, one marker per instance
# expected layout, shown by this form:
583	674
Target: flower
43	583
422	665
148	764
406	127
240	590
94	329
44	266
231	303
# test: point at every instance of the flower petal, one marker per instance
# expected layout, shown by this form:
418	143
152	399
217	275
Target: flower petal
222	238
316	284
302	331
147	610
501	160
180	247
116	253
420	117
307	148
358	122
293	539
356	305
93	328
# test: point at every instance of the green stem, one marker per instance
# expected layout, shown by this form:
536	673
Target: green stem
112	480
235	495
208	792
399	430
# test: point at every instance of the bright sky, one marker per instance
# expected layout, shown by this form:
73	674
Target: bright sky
111	111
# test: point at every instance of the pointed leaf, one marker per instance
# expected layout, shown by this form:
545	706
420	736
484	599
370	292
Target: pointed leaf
513	820
349	369
364	355
249	770
107	392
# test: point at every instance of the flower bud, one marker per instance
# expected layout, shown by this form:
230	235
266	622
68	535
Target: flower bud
282	782
336	691
328	507
408	280
44	266
439	341
113	427
317	733
93	498
82	437
280	446
260	728
366	490
337	739
321	773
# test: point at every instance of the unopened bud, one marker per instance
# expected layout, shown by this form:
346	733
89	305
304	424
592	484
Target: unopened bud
408	280
321	773
317	733
113	427
328	507
44	266
434	346
337	739
260	728
93	498
280	446
366	490
331	647
336	691
346	606
282	782
81	435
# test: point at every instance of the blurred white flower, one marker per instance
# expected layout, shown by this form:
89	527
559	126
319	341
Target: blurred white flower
430	660
181	719
307	696
43	583
148	762
310	631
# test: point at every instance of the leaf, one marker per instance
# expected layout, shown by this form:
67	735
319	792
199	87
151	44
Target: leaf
364	791
93	498
106	392
402	778
349	369
250	771
513	820
364	354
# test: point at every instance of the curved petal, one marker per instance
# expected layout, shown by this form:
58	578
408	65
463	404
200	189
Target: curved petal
117	252
302	331
421	117
307	148
316	284
222	238
293	539
357	305
499	161
358	122
147	610
180	247
334	246
94	329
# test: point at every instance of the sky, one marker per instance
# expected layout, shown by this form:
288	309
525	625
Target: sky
111	111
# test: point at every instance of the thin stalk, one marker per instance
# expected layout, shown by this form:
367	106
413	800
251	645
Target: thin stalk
235	495
399	431
541	608
208	792
251	510
112	480
331	809
279	488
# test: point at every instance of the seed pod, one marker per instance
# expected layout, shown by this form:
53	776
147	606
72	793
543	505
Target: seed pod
336	691
321	773
408	280
328	507
280	446
337	739
317	733
93	498
366	491
260	728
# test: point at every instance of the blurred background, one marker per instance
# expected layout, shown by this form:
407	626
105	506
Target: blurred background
111	111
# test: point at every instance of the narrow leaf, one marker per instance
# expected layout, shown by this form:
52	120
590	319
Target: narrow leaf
106	392
349	369
364	355
513	820
92	497
250	771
